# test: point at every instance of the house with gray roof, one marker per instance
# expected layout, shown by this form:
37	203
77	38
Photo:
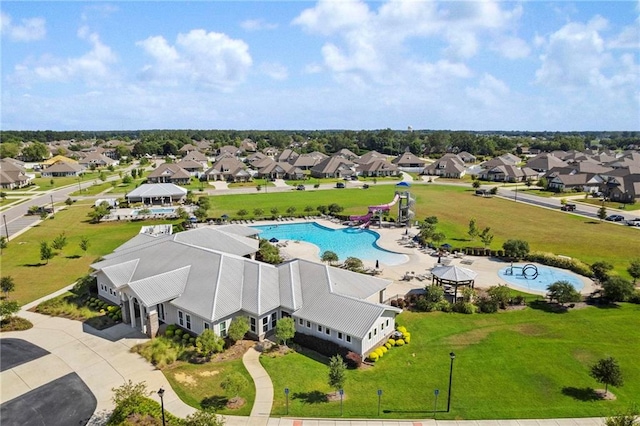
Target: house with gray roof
333	167
228	169
169	173
207	277
13	174
448	166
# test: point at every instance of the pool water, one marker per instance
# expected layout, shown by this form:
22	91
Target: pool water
157	210
346	242
546	276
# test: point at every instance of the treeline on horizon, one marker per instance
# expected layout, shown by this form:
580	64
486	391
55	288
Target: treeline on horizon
386	141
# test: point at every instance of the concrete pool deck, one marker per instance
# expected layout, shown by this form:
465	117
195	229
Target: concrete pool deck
417	262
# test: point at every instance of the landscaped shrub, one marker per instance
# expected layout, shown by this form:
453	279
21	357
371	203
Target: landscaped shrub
172	327
373	356
159	351
388	345
186	337
353	360
168	333
407	338
392	342
401	329
324	347
464	307
192	340
423	305
178	332
379	352
551	259
400	342
443	306
486	304
384	349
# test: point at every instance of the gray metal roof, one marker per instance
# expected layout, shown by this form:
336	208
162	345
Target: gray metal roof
214	284
148	190
454	273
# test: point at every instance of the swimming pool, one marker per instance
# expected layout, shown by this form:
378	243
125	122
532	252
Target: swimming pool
346	242
156	210
546	276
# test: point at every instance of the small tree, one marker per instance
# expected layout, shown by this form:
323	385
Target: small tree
200	214
607	371
337	372
59	242
630	418
433	293
127	398
476	184
238	328
209	343
234	383
242	212
330	257
500	294
335	208
516	249
274	211
634	270
8	308
602	212
308	209
322	209
353	264
7	285
543	183
46	252
486	236
291	210
285	329
438	237
601	270
3	243
563	292
617	289
257	212
432	220
473	229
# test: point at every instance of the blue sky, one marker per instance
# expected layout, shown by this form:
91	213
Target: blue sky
477	65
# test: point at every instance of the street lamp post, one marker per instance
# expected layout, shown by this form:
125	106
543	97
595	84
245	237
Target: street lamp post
379	398
341	395
286	394
516	196
161	394
452	356
52	209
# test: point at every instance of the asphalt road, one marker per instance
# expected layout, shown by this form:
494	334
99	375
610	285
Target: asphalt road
16	352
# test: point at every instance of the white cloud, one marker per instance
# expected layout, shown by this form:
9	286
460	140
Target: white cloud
512	47
93	67
489	92
30	29
574	56
275	70
199	57
378	44
628	38
257	25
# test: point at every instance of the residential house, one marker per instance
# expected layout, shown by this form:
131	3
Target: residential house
187	148
207	279
63	169
409	161
544	162
508	173
169	173
307	161
279	170
96	159
369	157
13	174
333	167
228	169
345	153
287	156
198	157
194	168
270	151
247	145
377	168
467	157
448	166
231	150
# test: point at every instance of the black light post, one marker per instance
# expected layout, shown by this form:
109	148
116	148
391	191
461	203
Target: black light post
52	209
379	397
161	394
452	356
341	395
286	394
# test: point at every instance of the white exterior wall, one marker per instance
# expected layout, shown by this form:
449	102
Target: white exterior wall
383	327
336	336
106	289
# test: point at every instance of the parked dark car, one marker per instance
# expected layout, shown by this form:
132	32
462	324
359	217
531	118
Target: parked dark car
300	187
365	186
340	185
615	218
568	207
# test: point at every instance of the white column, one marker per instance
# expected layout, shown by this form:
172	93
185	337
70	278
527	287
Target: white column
143	318
132	312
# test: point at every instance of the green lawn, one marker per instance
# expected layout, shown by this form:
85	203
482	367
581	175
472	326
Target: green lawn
199	385
34	278
518	364
544	229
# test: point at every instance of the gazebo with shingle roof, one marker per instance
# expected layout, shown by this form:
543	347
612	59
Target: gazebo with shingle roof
455	276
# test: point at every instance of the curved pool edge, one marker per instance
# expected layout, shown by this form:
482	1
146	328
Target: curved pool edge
588	286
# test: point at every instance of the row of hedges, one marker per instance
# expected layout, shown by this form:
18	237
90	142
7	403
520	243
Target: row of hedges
327	348
404	339
179	335
551	259
112	311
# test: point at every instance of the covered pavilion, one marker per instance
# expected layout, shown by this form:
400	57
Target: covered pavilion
455	276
